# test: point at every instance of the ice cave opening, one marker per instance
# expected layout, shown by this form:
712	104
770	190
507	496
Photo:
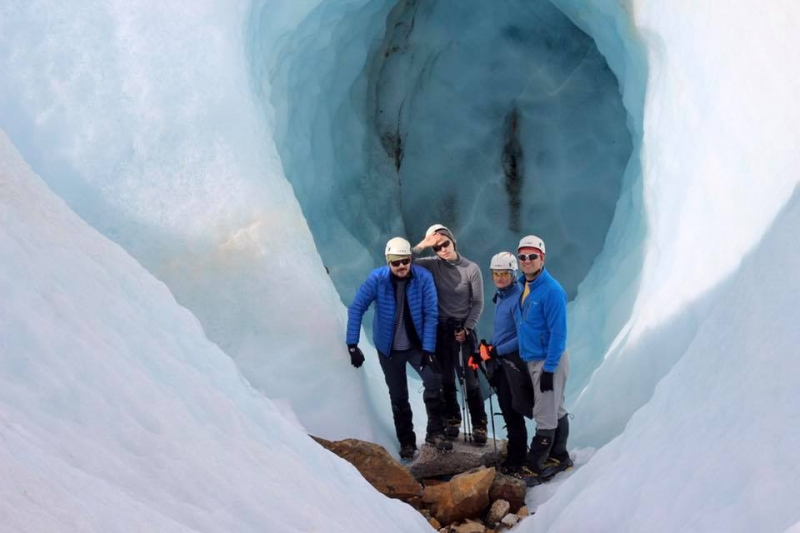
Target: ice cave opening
496	119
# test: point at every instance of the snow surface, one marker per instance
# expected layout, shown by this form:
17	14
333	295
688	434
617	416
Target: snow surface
159	125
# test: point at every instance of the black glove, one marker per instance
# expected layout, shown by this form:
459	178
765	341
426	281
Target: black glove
546	381
356	355
429	359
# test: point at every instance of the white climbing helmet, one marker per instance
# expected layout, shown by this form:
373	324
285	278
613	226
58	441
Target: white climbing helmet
436	227
503	261
398	246
531	241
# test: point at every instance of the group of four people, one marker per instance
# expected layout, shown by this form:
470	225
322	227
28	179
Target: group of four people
426	313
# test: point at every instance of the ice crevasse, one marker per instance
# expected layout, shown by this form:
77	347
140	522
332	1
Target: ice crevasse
174	131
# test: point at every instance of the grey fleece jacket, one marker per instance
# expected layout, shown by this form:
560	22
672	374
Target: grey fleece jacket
459	286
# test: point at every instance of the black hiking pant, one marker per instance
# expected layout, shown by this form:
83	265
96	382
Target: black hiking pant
453	357
507	388
394	372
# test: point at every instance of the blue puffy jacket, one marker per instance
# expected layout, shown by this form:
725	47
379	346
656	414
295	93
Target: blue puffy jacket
504	337
420	299
542	322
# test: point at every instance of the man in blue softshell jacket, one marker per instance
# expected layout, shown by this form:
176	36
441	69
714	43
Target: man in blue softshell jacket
542	338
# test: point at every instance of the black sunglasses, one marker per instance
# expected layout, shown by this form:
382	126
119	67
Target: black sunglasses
400	262
438	247
528	257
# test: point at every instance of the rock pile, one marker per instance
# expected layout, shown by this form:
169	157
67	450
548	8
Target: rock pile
458	492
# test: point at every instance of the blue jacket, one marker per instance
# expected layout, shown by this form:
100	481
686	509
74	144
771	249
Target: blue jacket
420	299
504	338
542	322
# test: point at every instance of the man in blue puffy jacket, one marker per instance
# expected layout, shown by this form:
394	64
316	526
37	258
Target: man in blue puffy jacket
542	338
404	332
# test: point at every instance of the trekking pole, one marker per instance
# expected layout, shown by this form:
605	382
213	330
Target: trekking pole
464	411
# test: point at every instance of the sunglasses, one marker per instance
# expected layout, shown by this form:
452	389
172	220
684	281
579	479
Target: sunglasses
501	274
528	257
400	262
442	246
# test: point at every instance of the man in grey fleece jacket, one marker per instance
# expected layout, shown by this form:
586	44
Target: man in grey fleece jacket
459	286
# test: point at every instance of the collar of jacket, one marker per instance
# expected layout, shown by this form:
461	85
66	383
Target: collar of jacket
538	280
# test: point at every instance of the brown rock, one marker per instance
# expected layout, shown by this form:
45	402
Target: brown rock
434	523
378	467
522	512
469	526
464	496
510	489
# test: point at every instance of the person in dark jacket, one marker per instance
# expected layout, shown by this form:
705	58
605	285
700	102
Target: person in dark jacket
542	336
404	332
459	285
509	374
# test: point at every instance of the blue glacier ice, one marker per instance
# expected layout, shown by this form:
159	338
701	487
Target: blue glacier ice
534	133
189	192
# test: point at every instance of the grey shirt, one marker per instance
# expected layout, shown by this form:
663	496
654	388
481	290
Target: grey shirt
401	340
459	286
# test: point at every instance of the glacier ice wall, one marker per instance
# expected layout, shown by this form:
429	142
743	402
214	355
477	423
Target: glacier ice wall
703	123
118	414
142	117
493	119
705	366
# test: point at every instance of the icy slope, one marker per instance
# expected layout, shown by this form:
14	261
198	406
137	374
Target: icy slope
141	117
715	449
117	414
719	161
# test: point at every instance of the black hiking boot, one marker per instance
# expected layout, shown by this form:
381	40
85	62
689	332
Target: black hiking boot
452	428
513	470
534	462
407	451
559	459
479	436
553	466
530	477
438	441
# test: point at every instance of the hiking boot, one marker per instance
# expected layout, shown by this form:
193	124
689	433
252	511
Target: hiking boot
553	466
479	436
559	450
407	450
511	470
452	428
530	477
540	450
438	441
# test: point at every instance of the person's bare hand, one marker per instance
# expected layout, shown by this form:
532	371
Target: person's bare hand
431	240
461	335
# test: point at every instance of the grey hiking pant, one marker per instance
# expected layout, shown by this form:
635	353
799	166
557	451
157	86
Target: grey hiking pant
548	406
